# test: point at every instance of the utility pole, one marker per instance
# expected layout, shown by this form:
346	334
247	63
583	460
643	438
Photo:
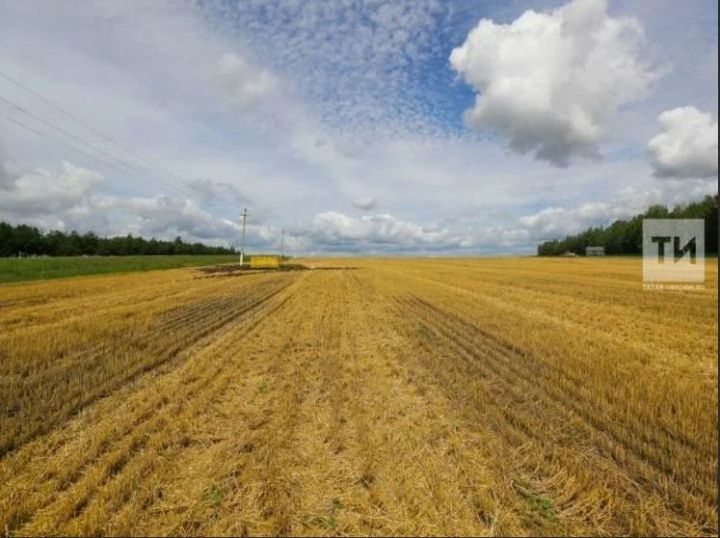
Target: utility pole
242	243
282	245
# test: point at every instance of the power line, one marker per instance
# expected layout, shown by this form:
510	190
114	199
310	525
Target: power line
88	144
62	142
97	132
56	140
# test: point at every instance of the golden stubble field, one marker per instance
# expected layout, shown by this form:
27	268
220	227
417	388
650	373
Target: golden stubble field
483	397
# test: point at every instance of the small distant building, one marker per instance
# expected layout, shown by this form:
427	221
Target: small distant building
594	251
568	254
264	262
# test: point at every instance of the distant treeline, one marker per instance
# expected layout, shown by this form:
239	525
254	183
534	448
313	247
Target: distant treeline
625	236
27	241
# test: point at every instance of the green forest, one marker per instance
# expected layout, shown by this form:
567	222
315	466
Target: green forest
23	240
625	236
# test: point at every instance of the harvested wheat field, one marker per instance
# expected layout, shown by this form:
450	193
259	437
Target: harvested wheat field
403	397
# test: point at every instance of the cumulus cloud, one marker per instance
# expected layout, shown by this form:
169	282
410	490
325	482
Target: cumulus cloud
335	231
167	217
551	82
69	199
555	222
40	191
560	221
687	147
163	215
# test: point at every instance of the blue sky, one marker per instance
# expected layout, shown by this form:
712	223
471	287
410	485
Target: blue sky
368	127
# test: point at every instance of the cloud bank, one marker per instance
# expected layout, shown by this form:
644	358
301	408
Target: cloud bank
334	231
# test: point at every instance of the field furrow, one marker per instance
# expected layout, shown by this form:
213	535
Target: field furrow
536	409
79	459
36	399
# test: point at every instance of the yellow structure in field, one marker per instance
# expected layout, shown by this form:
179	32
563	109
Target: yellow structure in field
264	262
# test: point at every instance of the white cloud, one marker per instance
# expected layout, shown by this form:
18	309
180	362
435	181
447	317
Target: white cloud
68	199
551	82
163	215
687	146
335	231
39	191
243	83
557	222
166	217
216	193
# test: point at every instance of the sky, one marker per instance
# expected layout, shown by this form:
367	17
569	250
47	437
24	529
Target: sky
418	127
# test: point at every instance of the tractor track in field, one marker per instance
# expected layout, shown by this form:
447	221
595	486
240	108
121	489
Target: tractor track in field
157	437
521	364
109	456
521	391
514	297
190	326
